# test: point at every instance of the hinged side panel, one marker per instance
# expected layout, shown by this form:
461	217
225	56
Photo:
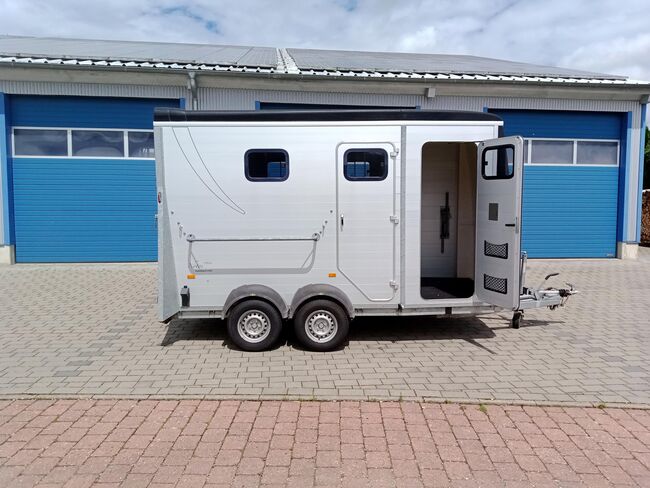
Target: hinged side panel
498	221
368	226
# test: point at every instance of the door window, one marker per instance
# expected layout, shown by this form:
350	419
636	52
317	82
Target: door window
498	163
365	164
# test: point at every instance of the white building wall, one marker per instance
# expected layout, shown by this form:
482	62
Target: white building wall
92	89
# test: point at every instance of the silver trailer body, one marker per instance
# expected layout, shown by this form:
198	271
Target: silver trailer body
383	212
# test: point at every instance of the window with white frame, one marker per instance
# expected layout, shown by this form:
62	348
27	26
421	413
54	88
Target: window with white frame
563	152
82	143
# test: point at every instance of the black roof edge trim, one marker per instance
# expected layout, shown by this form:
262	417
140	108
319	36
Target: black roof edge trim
179	115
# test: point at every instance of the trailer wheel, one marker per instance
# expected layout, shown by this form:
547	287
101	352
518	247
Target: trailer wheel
321	325
254	325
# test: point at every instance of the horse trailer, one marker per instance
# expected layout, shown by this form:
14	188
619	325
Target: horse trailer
317	217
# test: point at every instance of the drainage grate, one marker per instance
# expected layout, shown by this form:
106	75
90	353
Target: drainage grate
499	285
495	250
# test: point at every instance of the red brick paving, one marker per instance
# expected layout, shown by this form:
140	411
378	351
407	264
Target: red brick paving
192	443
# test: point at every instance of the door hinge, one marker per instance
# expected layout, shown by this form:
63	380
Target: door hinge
393	284
394	219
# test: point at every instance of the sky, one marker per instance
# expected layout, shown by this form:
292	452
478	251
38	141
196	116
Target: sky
608	36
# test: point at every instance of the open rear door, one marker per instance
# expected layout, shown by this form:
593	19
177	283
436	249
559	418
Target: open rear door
498	221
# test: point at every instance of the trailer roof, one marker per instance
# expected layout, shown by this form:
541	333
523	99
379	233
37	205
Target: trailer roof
178	115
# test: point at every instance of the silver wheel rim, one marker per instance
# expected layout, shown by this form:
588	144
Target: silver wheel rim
321	326
254	326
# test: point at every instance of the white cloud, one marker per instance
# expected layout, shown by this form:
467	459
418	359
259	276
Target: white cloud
597	35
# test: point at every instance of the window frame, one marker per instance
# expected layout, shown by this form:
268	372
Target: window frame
265	180
483	162
365	178
69	130
574	163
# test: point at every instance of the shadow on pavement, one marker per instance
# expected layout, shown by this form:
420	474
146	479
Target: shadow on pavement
389	329
195	330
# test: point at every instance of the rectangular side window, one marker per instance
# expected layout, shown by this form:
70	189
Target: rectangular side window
98	143
266	164
498	163
40	142
365	164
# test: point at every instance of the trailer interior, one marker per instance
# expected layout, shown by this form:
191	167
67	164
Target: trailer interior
448	220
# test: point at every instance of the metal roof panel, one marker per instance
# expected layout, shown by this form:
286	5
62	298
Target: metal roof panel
137	51
429	63
303	62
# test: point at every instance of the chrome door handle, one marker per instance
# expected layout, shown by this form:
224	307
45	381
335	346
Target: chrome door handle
342	221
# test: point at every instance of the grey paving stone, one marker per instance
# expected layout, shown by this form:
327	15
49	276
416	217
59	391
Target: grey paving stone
105	339
59	374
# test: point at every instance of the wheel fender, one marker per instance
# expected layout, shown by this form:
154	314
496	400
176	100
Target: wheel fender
308	292
255	291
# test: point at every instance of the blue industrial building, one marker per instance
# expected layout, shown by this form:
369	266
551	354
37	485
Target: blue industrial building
77	181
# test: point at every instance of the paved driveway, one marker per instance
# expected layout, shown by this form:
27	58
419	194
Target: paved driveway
189	443
92	330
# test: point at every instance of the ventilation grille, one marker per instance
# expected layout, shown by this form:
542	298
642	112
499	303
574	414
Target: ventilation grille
498	285
495	250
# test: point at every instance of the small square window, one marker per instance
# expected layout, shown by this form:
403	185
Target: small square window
365	164
498	162
266	164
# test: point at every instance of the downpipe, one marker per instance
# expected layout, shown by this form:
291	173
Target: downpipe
192	86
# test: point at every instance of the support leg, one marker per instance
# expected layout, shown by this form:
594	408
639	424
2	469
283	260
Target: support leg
516	319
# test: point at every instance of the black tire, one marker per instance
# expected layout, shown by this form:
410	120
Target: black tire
327	321
254	315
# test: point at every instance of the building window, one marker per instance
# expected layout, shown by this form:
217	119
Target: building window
569	152
551	152
597	152
40	142
365	164
83	143
266	164
98	143
140	144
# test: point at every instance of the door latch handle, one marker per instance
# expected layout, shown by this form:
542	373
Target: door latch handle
515	224
342	221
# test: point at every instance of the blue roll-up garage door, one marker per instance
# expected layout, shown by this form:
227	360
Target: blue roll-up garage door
84	178
570	181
